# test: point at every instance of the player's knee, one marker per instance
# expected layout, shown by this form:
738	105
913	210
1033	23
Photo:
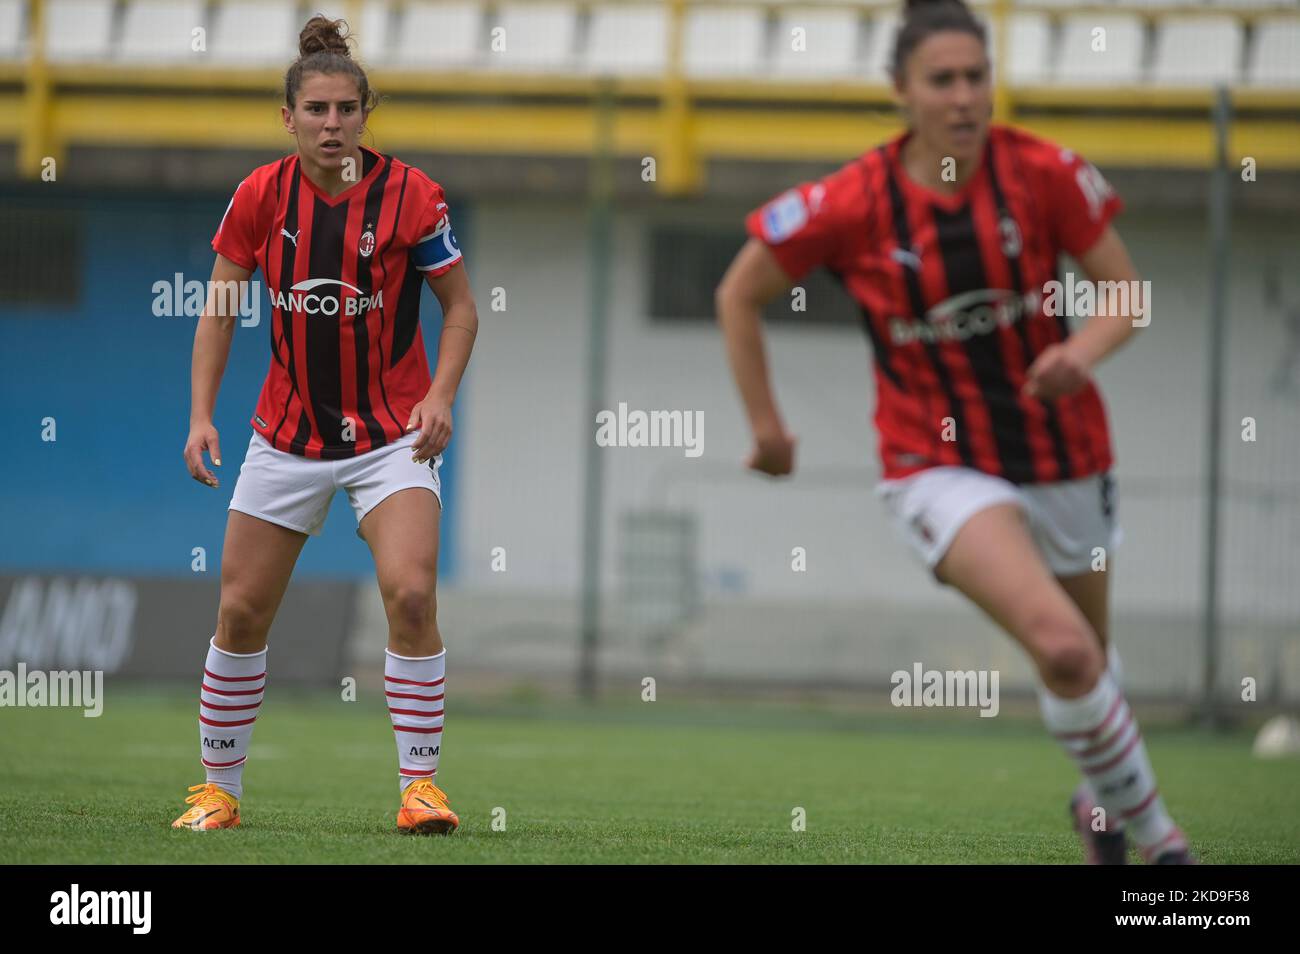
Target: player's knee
1067	653
242	622
412	607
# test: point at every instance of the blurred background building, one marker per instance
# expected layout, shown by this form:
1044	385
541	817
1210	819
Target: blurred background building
125	126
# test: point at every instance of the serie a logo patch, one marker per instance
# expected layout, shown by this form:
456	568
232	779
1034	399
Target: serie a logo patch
784	215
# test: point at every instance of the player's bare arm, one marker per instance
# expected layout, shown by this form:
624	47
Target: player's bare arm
754	279
459	329
212	340
1064	368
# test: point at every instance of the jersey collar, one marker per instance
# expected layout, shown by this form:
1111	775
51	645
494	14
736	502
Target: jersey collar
949	201
350	190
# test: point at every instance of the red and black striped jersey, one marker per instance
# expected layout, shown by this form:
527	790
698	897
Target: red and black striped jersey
953	291
345	275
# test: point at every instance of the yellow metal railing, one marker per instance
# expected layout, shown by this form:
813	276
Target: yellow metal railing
680	119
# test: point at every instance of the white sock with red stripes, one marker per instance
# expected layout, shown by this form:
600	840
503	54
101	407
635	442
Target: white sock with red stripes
233	686
414	687
1116	669
1101	735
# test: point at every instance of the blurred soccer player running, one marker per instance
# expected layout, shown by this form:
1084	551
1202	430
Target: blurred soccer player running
993	438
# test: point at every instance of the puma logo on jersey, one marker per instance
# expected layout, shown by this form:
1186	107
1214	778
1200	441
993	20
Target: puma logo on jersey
908	257
292	238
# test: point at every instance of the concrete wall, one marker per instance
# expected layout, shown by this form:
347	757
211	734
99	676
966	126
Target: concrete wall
523	439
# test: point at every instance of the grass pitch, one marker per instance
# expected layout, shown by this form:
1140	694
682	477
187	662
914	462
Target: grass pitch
651	783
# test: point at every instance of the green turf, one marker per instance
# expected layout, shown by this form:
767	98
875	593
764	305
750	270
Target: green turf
652	783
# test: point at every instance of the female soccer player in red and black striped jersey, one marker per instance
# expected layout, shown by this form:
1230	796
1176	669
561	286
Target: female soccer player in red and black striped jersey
992	435
345	238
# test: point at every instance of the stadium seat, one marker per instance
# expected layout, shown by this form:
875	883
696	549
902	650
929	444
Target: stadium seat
1197	51
254	33
1257	4
161	31
881	31
1275	60
1119	64
538	36
371	27
12	45
78	29
627	39
830	43
725	41
1030	36
440	36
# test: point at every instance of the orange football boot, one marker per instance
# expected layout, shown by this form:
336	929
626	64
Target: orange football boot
425	810
212	807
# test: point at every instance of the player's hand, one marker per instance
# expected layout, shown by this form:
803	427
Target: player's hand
773	454
203	437
1057	372
432	417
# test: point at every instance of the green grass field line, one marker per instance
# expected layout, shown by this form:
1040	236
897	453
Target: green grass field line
631	784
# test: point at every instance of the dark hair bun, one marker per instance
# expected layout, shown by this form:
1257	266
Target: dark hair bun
323	48
921	18
322	34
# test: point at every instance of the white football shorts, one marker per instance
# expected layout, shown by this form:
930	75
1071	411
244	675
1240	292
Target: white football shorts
295	491
1067	519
